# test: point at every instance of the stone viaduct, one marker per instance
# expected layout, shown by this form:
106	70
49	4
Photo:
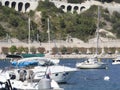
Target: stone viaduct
27	5
20	5
69	7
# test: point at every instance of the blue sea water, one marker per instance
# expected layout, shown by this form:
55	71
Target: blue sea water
93	79
88	79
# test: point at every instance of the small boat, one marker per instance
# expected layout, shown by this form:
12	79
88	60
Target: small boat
92	63
116	60
10	83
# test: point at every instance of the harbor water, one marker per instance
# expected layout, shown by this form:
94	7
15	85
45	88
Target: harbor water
93	79
88	79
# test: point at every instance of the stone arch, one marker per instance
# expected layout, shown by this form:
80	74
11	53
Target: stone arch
81	9
69	8
20	5
75	8
7	3
13	4
27	5
62	7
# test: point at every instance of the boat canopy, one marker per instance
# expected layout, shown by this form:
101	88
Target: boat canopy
33	61
24	55
25	63
13	56
32	55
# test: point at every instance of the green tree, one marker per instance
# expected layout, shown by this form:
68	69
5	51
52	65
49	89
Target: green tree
63	50
33	49
20	49
115	19
75	50
13	49
2	31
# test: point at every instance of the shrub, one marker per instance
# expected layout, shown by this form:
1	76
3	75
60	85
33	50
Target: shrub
13	49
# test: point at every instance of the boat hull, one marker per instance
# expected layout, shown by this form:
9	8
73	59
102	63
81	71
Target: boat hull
116	63
91	66
60	77
60	74
43	84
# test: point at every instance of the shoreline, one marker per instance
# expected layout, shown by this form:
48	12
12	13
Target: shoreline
106	43
80	56
75	56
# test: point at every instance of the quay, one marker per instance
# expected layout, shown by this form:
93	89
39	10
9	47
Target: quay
77	56
105	42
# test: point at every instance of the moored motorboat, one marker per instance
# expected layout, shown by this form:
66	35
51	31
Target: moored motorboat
116	60
59	73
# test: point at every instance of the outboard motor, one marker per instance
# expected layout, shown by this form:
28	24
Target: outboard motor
44	83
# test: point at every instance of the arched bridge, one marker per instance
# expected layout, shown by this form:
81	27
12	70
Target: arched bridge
20	5
27	5
68	7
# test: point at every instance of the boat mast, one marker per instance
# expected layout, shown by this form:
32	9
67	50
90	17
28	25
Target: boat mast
29	35
97	31
48	31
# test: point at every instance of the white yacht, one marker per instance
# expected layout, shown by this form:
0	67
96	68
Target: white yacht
7	82
116	60
59	73
92	63
41	66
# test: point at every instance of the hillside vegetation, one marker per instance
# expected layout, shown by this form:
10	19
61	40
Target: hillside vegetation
83	26
80	1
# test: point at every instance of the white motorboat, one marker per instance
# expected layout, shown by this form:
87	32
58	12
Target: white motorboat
116	60
91	63
59	73
9	83
42	65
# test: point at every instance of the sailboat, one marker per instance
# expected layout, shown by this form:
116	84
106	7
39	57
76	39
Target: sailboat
94	62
